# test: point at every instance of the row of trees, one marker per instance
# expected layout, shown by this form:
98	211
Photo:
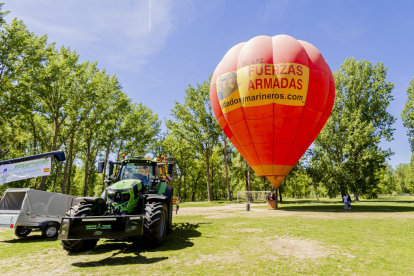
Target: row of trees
49	100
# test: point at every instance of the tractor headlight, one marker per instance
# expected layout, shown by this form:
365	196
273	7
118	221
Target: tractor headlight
125	197
111	195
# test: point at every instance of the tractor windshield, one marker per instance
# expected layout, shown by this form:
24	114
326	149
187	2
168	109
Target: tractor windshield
138	171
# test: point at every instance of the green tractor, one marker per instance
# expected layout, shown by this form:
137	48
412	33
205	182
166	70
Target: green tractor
136	206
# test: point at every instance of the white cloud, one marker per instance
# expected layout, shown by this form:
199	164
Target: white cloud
115	31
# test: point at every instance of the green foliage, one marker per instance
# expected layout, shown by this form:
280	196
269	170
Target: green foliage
298	182
195	123
346	156
2	15
387	184
21	52
408	114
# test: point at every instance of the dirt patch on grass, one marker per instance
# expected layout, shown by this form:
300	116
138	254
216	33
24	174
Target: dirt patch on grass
224	257
248	230
239	210
220	216
285	246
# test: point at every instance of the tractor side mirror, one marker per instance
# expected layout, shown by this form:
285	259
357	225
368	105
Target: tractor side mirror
101	166
170	168
111	168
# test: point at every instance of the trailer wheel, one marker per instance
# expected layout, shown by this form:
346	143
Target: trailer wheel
80	209
50	230
155	224
22	231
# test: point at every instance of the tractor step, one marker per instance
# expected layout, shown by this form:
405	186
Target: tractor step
107	227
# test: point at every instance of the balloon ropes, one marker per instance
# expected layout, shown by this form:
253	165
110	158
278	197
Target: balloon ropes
272	96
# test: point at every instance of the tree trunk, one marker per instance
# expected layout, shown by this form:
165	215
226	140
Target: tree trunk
42	183
26	185
280	194
65	173
108	150
264	183
68	159
70	173
194	191
179	186
209	196
34	146
226	168
248	181
55	134
85	188
248	188
54	183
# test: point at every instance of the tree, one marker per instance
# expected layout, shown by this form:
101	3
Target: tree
78	110
2	15
346	154
94	128
404	178
180	149
298	182
21	53
139	129
196	124
407	115
387	183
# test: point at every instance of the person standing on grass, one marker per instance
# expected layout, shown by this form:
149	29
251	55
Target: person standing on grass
349	202
345	198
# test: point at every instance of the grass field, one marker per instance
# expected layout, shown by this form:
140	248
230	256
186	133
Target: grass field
303	237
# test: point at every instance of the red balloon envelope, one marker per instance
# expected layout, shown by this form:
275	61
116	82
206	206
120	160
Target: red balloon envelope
272	96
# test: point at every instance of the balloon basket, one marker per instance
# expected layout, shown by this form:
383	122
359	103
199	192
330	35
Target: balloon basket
272	204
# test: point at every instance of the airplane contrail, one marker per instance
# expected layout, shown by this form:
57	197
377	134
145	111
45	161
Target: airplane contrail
149	23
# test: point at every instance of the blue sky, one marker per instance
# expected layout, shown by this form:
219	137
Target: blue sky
156	55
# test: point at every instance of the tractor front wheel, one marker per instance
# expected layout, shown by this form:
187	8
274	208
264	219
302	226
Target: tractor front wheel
81	209
155	224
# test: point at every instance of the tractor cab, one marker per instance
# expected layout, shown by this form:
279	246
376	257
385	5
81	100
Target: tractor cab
135	176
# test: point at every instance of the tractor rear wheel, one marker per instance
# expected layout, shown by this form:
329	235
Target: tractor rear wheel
80	209
155	224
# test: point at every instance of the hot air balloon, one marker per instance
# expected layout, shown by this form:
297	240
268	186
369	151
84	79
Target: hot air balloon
272	96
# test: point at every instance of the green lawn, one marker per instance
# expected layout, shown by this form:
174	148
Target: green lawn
303	237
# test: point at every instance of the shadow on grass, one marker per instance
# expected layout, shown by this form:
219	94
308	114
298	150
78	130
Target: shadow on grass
179	238
390	201
356	208
30	239
305	201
